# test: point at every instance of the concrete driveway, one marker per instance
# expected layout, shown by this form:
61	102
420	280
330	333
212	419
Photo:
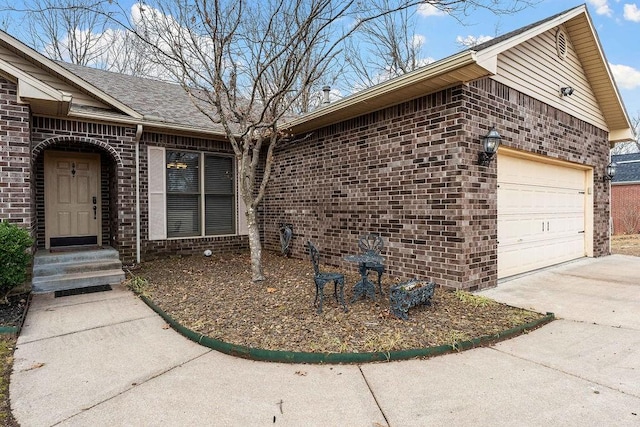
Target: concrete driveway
106	359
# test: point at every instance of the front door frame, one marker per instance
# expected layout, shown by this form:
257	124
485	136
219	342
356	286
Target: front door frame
49	156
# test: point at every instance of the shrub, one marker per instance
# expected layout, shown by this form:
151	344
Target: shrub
14	258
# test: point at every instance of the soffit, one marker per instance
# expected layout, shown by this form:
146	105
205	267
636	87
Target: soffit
470	65
451	71
594	62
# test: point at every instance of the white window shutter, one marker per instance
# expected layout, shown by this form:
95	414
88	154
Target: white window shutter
243	230
157	194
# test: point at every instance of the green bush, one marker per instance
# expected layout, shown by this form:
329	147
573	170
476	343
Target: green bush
14	258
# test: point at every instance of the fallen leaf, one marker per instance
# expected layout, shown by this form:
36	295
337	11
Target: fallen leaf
271	290
34	366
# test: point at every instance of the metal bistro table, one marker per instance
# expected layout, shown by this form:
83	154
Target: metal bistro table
365	286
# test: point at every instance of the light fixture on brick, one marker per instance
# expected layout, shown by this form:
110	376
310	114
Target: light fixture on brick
610	172
490	144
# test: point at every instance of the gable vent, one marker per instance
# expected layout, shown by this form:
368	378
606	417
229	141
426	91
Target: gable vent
561	44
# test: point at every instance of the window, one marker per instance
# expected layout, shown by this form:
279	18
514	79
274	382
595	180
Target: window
219	195
200	194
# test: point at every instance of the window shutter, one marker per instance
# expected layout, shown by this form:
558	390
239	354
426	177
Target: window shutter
157	197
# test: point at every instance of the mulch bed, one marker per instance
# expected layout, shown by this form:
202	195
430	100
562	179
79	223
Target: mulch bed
11	313
215	296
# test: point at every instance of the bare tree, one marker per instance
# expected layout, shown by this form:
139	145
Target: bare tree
67	30
247	64
127	54
79	32
384	48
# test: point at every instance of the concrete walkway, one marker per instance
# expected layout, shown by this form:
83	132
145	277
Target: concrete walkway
107	360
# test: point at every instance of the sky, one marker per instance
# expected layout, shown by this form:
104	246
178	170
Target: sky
617	23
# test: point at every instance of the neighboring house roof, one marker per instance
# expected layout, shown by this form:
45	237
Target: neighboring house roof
483	61
628	169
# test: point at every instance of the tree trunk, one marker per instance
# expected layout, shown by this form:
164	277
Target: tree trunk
255	246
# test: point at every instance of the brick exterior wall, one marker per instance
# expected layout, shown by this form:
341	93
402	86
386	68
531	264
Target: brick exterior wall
410	173
625	208
15	160
116	145
184	246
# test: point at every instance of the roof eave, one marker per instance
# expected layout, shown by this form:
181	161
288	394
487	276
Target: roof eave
379	96
149	122
616	116
625	183
51	65
620	135
506	44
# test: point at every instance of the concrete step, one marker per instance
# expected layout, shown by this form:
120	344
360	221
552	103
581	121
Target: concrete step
60	271
44	257
51	269
60	282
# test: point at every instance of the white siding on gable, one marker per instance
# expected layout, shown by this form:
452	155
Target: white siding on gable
38	73
535	68
157	194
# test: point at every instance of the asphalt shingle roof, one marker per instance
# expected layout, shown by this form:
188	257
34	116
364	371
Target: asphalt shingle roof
628	169
514	33
151	98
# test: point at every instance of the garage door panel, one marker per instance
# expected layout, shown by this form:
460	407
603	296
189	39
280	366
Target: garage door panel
541	214
538	253
515	228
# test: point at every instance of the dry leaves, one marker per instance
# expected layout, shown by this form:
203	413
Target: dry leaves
215	296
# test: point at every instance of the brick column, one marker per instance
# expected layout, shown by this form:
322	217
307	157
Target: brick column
15	158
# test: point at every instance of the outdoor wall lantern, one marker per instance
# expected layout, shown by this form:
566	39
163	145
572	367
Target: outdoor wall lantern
566	91
610	173
490	145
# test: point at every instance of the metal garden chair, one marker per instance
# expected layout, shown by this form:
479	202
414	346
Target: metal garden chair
322	279
372	244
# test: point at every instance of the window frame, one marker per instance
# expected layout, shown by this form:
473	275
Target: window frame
202	194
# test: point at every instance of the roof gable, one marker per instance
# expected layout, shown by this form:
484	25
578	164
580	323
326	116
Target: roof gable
607	110
59	88
135	100
591	58
50	67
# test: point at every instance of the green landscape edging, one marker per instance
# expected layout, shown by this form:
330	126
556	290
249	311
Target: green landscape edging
307	357
9	330
15	330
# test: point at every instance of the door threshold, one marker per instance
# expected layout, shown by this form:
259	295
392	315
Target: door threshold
79	248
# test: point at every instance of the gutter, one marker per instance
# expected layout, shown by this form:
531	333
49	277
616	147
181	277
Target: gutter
137	141
445	65
162	125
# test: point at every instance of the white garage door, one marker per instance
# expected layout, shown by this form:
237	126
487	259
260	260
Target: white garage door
541	214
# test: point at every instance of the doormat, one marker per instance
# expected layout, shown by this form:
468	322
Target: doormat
60	249
79	291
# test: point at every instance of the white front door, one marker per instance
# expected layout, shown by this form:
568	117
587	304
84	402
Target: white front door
72	199
541	214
